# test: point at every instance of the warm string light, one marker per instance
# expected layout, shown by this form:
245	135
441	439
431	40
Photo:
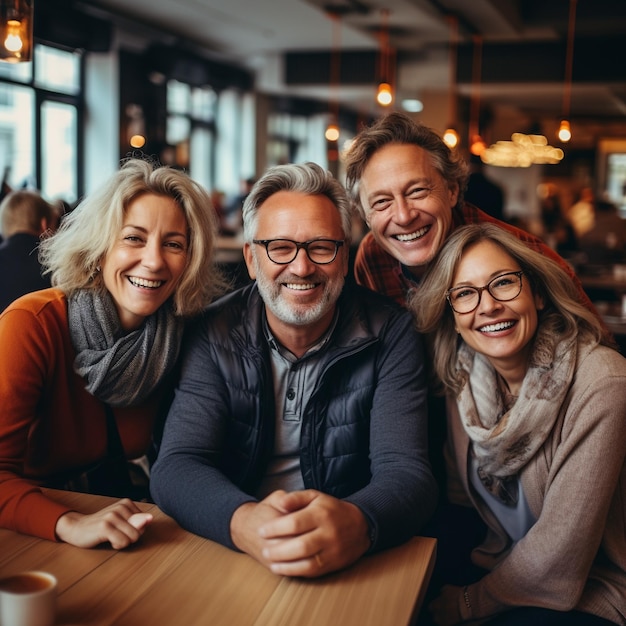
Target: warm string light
565	133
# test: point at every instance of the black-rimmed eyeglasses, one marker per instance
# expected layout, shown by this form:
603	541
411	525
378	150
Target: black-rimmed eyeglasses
284	251
503	288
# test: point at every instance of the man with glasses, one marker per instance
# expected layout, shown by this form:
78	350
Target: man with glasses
298	431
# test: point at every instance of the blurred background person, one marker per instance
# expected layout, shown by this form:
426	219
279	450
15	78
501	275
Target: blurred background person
582	213
24	217
557	230
232	223
482	192
605	242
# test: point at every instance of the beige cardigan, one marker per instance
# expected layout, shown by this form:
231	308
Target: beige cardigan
574	557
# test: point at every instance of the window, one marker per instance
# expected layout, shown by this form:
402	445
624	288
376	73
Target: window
296	138
40	111
58	145
211	135
17	142
57	70
190	128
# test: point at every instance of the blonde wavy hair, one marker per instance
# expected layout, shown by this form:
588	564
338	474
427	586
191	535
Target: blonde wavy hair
563	310
72	255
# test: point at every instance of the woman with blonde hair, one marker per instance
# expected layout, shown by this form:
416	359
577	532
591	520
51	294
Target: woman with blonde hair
536	429
86	365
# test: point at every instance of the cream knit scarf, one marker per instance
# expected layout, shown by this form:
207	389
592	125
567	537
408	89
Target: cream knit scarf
121	369
504	441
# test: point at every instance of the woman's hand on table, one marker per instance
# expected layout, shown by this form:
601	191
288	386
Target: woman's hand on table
121	524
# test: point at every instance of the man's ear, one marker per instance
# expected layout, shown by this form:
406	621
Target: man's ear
248	257
453	190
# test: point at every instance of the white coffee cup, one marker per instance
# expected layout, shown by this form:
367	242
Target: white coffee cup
28	599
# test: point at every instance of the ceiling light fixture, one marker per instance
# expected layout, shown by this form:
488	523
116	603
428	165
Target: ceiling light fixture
451	136
332	130
384	95
565	132
522	151
16	30
476	142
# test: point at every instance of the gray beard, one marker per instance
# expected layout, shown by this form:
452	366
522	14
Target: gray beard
271	293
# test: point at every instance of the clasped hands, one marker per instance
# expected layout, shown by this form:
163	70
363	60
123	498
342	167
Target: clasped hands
301	533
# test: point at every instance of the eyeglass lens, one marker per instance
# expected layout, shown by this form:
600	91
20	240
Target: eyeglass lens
502	288
318	250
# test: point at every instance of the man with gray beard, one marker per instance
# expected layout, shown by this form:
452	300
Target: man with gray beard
298	430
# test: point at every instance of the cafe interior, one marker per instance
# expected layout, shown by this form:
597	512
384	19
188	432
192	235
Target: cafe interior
531	92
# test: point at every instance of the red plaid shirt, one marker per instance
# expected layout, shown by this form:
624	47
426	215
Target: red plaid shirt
377	269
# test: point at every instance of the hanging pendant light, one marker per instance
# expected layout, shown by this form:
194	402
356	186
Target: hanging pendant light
451	136
384	93
332	130
565	132
16	30
476	143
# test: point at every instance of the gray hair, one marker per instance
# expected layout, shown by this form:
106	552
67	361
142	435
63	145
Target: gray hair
87	234
307	178
399	128
563	310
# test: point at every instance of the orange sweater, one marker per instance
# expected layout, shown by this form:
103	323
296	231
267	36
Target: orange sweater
49	423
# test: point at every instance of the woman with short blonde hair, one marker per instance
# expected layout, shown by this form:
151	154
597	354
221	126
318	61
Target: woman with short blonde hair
87	367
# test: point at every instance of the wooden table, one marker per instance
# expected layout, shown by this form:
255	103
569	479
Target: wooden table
172	577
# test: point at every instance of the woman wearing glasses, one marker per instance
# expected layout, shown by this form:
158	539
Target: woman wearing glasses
537	425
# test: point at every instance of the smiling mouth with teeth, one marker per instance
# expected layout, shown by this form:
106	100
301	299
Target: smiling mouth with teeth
418	234
300	286
147	284
491	328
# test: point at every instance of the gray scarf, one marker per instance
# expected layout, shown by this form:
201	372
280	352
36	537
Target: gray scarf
121	368
504	441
